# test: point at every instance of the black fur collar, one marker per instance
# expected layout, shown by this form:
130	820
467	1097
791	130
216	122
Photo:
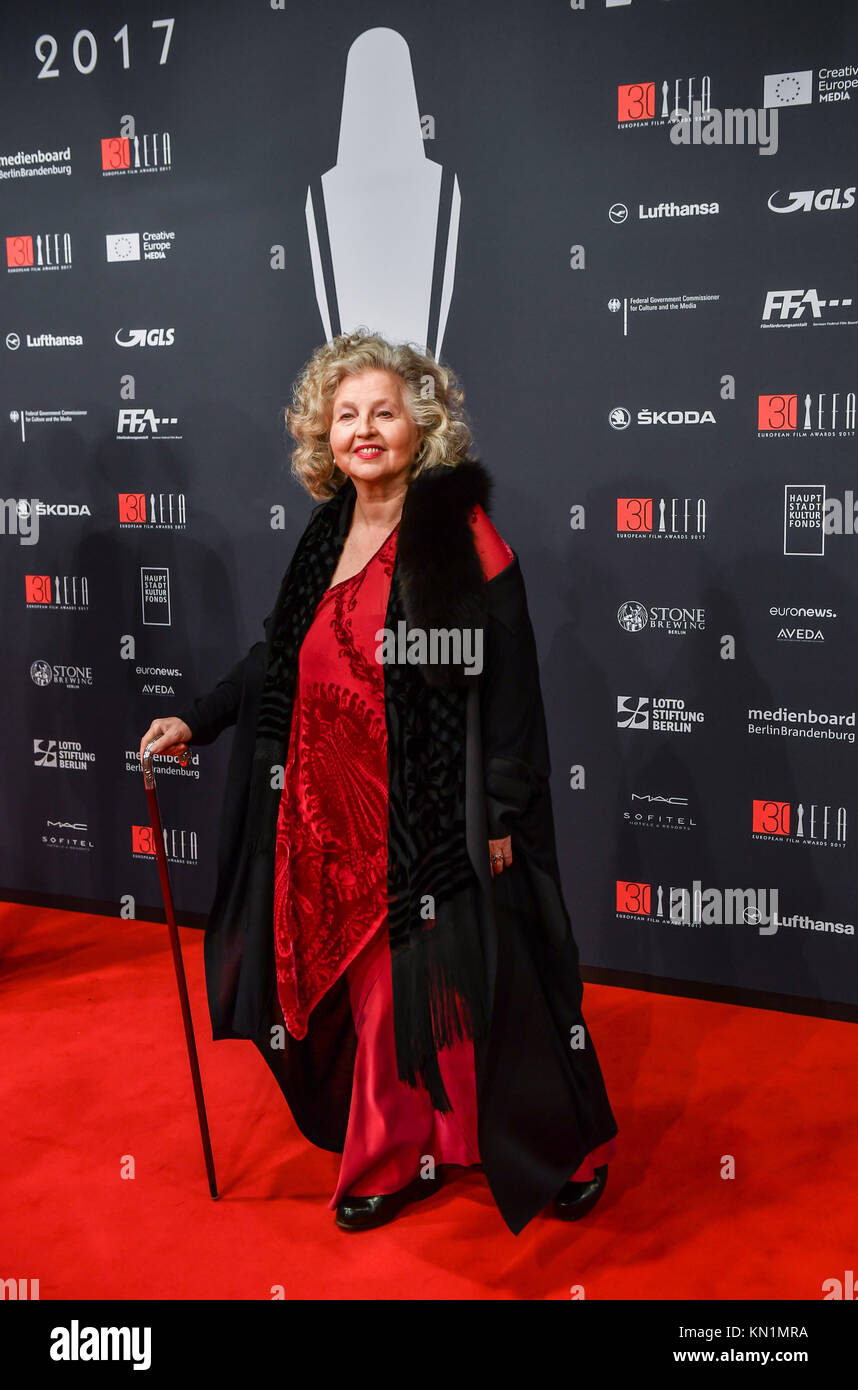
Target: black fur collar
438	571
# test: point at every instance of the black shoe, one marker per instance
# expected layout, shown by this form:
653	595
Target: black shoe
576	1199
364	1213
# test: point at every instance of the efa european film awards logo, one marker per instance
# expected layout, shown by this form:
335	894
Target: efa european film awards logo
800	822
137	154
44	251
641	103
821	414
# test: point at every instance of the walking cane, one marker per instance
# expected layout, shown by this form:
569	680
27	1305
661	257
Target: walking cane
163	874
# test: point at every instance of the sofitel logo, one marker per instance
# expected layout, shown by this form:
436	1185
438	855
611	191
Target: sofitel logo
805	823
650	812
66	834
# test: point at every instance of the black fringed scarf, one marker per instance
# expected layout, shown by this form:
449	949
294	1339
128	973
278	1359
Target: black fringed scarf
439	988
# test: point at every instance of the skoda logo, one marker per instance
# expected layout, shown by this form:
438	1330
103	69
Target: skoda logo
632	616
620	418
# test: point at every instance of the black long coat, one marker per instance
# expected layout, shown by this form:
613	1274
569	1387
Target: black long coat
542	1103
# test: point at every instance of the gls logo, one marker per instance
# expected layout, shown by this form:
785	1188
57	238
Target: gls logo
145	337
826	200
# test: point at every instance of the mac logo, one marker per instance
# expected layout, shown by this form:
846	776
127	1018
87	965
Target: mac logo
383	228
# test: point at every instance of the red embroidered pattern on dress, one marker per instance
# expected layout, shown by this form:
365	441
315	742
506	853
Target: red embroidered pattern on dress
330	879
330	871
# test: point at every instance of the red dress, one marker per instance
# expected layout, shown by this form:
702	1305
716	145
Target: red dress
330	884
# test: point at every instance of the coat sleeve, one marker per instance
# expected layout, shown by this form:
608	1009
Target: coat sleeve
493	551
516	762
208	715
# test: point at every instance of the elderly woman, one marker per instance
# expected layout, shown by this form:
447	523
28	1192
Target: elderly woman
388	925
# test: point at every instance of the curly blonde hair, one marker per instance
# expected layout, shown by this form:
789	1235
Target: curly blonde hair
431	392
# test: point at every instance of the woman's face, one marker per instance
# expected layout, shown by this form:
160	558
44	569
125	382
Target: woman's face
372	435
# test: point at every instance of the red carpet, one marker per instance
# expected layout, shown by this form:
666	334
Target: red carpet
94	1069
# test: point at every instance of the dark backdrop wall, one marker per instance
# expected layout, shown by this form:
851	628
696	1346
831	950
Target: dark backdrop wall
656	328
